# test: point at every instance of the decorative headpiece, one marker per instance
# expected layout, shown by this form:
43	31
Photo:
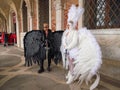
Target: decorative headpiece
74	14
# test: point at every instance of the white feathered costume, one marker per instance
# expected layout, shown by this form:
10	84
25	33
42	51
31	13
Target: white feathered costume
83	49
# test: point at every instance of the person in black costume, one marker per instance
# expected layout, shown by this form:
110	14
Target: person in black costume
5	39
48	45
38	42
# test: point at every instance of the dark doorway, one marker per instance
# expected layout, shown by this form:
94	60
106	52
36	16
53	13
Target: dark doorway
14	21
24	14
43	12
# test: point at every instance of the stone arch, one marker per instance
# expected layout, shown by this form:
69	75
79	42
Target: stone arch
28	19
2	23
4	19
28	4
2	12
12	21
14	9
29	14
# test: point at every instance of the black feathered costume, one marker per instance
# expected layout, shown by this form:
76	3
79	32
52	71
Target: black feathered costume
35	47
57	35
34	50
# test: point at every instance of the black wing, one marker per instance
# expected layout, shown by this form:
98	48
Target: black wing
33	47
57	38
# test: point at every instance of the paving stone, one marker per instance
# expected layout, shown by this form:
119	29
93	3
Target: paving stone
9	60
31	82
15	76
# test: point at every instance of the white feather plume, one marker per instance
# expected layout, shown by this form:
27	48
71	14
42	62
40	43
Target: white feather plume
74	14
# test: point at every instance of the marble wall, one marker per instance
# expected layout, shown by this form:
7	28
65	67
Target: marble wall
109	41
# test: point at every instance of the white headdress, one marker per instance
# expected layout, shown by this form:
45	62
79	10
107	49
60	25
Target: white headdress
74	14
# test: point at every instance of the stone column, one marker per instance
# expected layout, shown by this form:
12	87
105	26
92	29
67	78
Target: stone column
35	15
50	16
80	22
59	15
18	30
29	22
10	23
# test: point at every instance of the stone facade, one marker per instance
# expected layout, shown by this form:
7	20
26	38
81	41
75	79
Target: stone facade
109	41
53	16
34	15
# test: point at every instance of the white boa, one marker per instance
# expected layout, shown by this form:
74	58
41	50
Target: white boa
87	55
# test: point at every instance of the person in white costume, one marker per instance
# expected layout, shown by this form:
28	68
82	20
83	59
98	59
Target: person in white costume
83	52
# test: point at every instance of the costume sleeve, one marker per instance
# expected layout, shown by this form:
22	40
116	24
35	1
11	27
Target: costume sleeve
64	39
74	41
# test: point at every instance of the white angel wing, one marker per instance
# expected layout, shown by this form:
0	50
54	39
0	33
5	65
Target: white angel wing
89	57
